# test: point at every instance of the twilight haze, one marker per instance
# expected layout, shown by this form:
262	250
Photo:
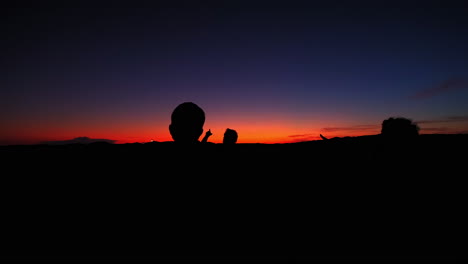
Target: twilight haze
275	71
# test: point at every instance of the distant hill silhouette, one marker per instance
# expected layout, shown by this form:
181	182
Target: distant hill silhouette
78	140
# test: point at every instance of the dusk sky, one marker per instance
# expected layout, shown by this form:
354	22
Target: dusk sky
275	71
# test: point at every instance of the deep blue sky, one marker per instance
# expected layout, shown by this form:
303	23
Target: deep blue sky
276	71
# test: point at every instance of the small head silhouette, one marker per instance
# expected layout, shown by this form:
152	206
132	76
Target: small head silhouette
399	128
187	122
230	136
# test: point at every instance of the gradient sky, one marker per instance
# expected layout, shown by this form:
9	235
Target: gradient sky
275	71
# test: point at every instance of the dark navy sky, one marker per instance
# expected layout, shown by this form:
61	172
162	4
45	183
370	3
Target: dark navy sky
276	71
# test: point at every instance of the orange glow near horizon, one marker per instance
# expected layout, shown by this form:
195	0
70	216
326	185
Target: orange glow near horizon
247	134
128	132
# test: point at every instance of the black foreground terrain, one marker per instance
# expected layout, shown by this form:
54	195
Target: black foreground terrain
359	198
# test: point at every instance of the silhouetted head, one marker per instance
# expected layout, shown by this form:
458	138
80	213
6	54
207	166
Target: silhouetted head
230	136
187	122
399	128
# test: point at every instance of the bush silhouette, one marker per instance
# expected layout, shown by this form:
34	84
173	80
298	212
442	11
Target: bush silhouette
399	128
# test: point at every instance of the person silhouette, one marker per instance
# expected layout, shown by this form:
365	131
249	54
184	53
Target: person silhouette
187	121
230	136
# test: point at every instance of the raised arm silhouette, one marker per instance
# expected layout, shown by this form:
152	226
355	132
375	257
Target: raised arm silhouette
207	135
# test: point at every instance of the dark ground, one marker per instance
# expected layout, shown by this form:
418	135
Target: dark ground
340	199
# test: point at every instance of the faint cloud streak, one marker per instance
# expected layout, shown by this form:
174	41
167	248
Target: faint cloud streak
304	137
310	137
442	128
449	119
350	128
449	85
